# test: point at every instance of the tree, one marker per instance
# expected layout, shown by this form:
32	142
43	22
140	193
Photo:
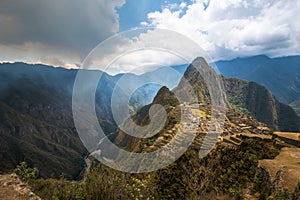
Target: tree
26	173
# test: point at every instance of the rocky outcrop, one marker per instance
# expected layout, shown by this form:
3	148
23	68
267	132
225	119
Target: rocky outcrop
250	98
12	188
283	172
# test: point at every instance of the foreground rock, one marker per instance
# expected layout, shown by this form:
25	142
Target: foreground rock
12	188
284	169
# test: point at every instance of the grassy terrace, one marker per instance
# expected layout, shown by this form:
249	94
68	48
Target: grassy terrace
289	161
293	136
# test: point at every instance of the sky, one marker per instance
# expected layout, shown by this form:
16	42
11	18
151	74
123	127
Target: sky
64	32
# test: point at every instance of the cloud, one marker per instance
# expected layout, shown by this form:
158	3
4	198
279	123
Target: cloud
225	29
30	52
70	26
62	32
231	28
141	50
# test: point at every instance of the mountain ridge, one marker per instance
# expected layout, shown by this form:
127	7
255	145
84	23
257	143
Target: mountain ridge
254	98
280	75
36	118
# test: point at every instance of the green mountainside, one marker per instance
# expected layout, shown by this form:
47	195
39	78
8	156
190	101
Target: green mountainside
36	126
249	104
231	170
280	75
36	122
252	99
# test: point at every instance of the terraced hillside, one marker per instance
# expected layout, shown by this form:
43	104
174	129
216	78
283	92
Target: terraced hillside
235	121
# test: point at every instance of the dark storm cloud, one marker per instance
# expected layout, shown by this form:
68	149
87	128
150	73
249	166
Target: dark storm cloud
76	25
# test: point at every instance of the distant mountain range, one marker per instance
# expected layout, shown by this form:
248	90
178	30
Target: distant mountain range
36	123
280	75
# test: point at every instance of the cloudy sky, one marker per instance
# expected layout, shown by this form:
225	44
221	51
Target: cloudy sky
63	32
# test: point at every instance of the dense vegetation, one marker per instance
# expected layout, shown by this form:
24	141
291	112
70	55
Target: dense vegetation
228	172
37	126
36	123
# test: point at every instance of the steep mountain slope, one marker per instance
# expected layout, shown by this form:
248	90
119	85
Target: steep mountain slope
245	99
235	122
36	118
36	122
296	106
227	172
254	99
280	75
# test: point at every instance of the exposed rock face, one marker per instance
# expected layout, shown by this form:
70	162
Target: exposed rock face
256	99
12	188
250	98
283	170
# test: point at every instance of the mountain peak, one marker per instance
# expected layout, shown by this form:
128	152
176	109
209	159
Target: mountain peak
165	96
199	59
200	65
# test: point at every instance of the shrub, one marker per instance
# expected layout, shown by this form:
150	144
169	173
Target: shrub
296	195
62	189
26	173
